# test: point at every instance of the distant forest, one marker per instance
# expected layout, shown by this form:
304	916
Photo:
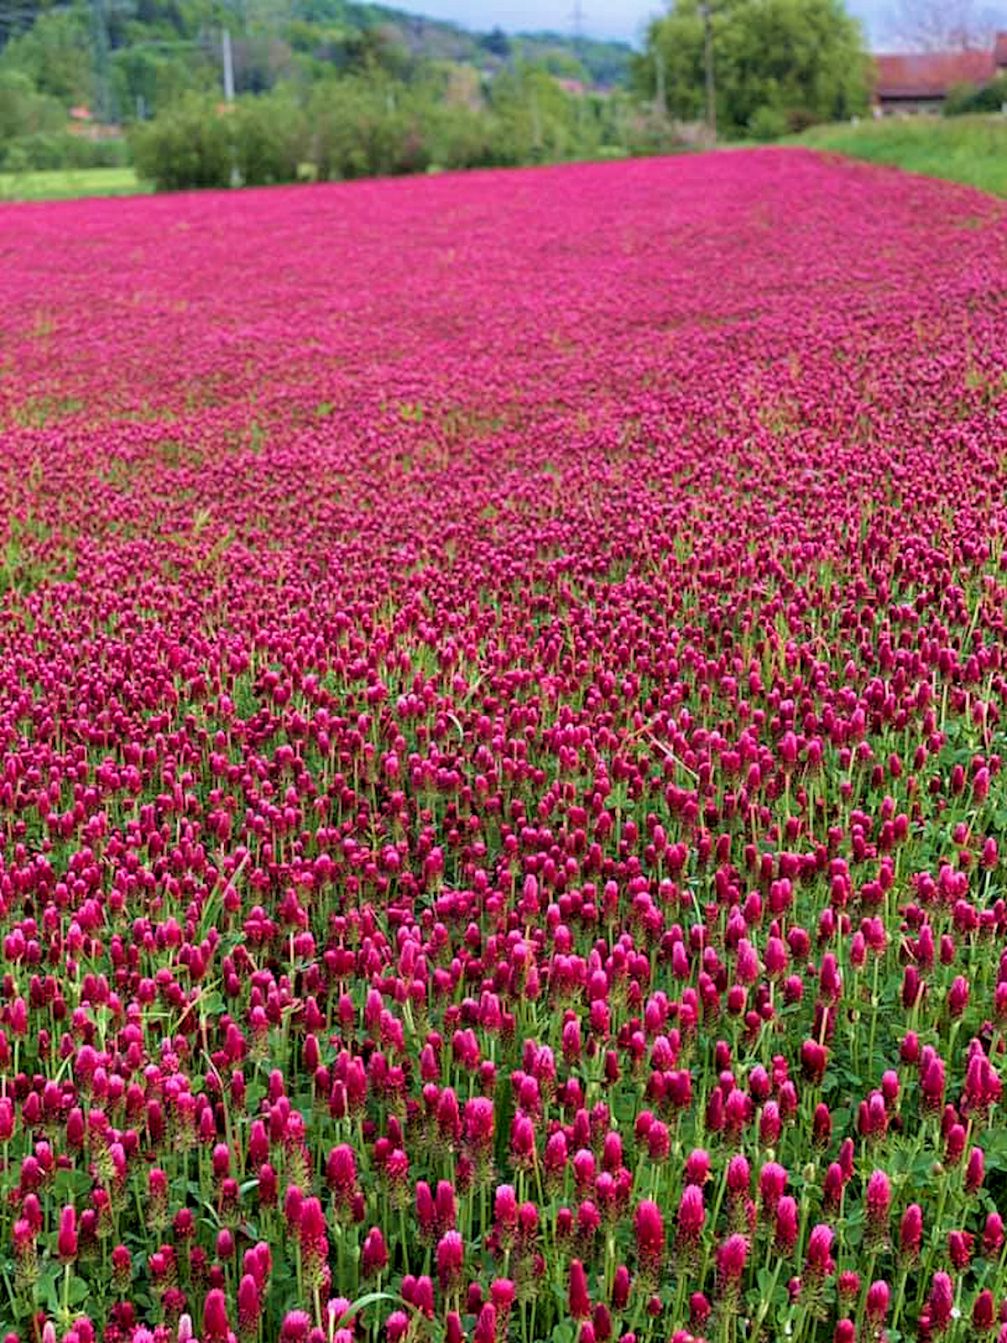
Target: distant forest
129	59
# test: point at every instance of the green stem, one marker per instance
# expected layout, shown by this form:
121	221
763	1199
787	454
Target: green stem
900	1298
767	1300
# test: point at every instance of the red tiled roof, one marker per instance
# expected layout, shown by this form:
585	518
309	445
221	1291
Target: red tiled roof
1000	51
931	74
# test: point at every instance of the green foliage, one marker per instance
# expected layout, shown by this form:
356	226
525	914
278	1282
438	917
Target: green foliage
162	49
768	123
190	146
538	122
606	64
968	98
34	134
148	77
268	137
460	139
348	88
497	43
365	125
972	150
783	64
23	110
55	55
43	151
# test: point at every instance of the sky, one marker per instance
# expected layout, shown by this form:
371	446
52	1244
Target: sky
601	18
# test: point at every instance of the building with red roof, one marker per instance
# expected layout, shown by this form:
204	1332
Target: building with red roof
920	81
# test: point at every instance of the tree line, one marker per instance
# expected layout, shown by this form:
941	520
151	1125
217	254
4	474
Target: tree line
334	89
364	125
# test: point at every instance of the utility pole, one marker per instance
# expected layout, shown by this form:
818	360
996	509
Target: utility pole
536	127
660	90
711	89
99	46
577	16
228	58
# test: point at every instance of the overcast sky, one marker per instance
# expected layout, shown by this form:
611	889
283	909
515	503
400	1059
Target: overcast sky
601	18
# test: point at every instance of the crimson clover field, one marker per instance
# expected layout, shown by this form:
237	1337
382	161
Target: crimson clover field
504	697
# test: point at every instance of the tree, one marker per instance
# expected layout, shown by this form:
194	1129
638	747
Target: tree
497	43
148	78
538	121
942	25
787	63
55	54
23	111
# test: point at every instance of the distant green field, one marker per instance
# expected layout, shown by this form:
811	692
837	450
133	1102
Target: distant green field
972	150
69	184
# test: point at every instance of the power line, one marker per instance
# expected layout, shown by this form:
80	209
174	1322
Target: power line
578	19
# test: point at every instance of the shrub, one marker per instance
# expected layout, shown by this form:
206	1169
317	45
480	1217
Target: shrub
269	136
648	133
24	111
50	151
368	125
366	128
768	123
968	98
189	146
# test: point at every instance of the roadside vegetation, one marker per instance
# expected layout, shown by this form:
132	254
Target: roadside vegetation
968	149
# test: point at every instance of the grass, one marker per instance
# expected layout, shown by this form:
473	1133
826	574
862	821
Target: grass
70	184
972	150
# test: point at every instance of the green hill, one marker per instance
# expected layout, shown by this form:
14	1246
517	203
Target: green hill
128	59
